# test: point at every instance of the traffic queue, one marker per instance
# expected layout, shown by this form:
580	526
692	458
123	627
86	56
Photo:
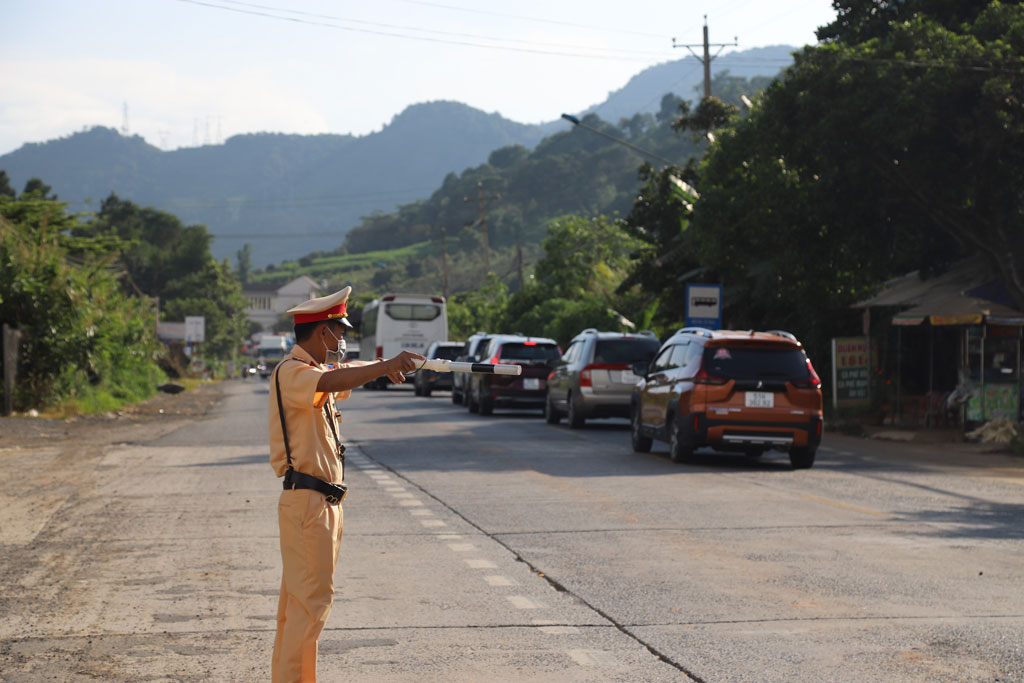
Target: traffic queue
747	392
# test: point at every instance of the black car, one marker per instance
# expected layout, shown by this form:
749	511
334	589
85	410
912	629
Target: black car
536	355
425	381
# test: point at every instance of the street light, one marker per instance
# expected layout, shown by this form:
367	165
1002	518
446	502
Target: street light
576	122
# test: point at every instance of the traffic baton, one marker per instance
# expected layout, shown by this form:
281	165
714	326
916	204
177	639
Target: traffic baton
442	365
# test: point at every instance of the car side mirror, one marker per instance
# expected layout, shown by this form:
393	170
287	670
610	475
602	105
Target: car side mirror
640	368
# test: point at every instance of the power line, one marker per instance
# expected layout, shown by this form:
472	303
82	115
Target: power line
457	34
426	39
326	200
555	22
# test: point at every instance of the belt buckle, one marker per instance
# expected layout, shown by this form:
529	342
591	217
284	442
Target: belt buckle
333	500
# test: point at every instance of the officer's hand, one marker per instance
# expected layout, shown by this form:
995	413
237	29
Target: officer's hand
406	361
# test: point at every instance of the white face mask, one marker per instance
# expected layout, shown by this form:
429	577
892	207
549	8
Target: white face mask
337	353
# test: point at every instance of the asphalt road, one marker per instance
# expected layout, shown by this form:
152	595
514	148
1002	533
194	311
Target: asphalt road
504	549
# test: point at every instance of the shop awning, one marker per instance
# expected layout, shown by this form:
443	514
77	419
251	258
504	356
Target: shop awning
948	299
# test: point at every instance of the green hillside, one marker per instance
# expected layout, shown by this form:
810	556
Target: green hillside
575	171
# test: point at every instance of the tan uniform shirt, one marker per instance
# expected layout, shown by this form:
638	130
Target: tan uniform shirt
309	434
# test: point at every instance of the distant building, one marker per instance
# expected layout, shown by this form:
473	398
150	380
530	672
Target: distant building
267	303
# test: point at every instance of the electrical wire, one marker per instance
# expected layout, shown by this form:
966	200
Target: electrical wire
474	10
434	31
426	39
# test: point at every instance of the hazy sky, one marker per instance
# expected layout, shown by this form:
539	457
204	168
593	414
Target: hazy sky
195	71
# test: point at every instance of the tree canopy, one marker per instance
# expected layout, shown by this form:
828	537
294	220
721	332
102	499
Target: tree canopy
894	145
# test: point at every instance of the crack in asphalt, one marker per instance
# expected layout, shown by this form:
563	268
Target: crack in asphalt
455	627
558	586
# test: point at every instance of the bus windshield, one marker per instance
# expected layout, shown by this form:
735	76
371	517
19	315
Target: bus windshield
412	311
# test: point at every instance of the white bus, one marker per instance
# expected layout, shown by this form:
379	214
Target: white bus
402	321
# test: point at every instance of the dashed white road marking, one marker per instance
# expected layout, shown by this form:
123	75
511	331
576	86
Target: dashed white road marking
404	494
421	513
462	547
409	503
844	453
433	523
593	657
481	564
523	602
394	489
449	537
498	580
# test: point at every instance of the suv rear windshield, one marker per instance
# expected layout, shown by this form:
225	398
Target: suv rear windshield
536	351
746	362
626	350
447	352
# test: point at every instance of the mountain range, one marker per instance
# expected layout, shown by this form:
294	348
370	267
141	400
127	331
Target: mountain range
289	195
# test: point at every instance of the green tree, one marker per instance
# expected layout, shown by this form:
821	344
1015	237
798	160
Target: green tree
244	256
169	260
5	186
83	338
898	144
37	188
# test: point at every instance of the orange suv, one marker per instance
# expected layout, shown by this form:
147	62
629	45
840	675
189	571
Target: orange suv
733	391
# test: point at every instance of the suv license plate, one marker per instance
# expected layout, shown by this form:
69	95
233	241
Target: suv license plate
531	383
759	399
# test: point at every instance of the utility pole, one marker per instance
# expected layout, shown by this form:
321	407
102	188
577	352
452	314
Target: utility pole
482	202
444	265
519	261
706	59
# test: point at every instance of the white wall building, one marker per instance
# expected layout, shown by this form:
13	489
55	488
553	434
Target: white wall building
267	303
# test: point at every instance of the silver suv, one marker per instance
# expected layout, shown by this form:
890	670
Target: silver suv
472	352
595	376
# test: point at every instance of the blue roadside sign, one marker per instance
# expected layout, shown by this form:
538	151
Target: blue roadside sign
704	306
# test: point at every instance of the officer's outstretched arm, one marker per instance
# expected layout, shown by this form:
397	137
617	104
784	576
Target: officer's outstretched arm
344	379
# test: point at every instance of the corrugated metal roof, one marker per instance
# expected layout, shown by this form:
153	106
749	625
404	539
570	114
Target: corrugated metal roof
911	290
945	299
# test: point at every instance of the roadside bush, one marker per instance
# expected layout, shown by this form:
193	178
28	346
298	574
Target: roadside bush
85	344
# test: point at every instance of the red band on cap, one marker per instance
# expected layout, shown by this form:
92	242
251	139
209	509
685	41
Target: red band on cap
330	314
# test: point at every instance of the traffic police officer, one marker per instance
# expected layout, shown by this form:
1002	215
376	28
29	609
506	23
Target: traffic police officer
305	449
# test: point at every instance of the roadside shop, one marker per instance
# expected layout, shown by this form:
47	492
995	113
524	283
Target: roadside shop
955	344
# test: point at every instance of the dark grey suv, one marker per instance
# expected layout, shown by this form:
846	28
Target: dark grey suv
595	377
425	381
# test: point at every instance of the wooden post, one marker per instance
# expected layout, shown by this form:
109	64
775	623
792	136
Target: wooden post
444	265
11	337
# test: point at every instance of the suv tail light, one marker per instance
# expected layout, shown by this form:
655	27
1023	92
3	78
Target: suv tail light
812	381
586	379
380	352
704	378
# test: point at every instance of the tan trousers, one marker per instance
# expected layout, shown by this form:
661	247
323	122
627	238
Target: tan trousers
310	541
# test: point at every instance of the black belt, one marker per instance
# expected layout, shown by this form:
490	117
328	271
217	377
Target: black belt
334	493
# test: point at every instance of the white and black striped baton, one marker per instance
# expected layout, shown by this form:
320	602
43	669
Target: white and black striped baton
442	365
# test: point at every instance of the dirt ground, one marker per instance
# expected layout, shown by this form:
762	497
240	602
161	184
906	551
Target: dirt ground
162	410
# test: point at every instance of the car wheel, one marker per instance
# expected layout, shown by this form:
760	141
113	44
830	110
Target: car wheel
802	458
641	443
456	398
416	389
573	417
486	406
426	391
551	415
471	404
679	448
